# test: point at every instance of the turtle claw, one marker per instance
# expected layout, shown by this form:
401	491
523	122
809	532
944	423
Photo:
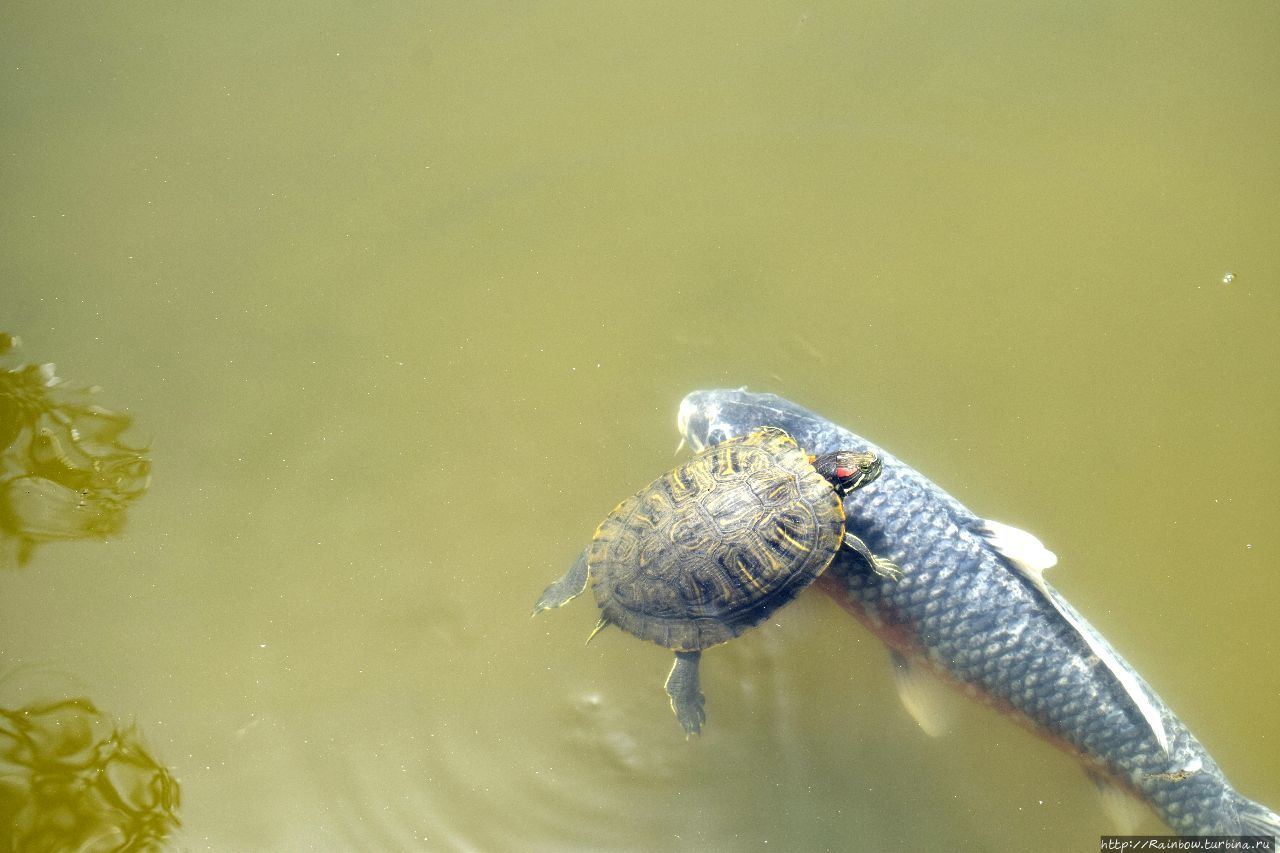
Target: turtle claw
565	589
686	693
886	569
692	718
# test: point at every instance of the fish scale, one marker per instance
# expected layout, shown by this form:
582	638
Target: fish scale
963	609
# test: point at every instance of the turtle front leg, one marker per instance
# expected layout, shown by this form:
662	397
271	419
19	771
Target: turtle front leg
884	568
686	693
566	588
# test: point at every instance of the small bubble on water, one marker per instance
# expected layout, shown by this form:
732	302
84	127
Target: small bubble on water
1229	277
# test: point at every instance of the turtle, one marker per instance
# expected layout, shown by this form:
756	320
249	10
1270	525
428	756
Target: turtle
714	546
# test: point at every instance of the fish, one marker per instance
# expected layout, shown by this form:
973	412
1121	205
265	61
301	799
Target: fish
972	607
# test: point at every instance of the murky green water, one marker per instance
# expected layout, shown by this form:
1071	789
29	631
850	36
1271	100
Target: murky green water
402	301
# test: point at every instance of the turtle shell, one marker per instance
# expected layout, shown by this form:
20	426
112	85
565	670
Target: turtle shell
713	547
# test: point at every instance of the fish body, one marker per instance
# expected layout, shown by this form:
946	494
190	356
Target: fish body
972	607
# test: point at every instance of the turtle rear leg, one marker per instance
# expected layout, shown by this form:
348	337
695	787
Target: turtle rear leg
566	588
884	568
686	693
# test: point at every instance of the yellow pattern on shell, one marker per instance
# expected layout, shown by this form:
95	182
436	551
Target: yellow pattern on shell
714	546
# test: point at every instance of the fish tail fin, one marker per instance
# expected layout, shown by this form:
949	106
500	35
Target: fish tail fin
1257	819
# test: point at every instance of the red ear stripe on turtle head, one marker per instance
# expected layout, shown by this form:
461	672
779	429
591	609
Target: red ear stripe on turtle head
844	473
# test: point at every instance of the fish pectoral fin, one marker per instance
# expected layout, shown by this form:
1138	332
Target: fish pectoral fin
922	696
1027	553
1124	809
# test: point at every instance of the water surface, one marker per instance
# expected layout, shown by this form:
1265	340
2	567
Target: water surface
401	301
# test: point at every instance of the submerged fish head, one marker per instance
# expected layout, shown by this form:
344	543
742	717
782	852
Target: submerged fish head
709	417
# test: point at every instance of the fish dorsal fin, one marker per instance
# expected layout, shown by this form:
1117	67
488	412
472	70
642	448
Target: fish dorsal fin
921	695
1125	810
1019	547
1030	558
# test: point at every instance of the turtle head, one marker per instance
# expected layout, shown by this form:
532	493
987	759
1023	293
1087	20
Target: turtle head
847	470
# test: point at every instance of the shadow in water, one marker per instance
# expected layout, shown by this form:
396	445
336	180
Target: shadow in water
64	472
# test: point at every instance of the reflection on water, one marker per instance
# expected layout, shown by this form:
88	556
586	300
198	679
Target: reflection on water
64	473
72	778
